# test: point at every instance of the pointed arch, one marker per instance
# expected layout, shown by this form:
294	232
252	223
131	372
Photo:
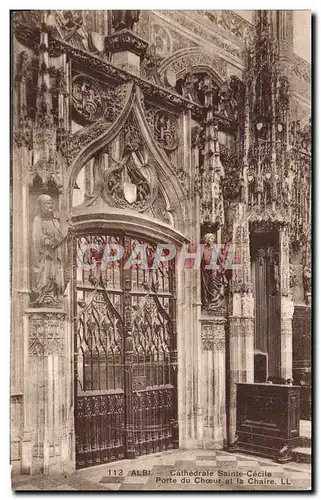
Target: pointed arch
95	137
199	60
168	183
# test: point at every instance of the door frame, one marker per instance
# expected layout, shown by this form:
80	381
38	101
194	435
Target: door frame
136	225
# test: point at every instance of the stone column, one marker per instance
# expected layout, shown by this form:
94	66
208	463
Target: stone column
241	352
21	162
287	306
186	360
213	380
46	446
188	303
240	349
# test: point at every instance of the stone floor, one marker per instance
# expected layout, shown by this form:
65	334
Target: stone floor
178	470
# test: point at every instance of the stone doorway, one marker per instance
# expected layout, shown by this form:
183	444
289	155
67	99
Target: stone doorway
125	351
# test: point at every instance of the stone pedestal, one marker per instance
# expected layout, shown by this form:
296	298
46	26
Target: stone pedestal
48	408
127	50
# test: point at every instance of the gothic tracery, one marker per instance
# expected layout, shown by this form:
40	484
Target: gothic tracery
128	123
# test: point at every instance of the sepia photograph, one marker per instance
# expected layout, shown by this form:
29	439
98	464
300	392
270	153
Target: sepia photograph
160	241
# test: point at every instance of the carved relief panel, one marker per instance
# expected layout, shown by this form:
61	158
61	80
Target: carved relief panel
213	335
46	334
123	175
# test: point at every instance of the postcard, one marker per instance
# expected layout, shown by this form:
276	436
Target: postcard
161	250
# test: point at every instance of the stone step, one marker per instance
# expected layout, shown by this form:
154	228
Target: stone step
301	455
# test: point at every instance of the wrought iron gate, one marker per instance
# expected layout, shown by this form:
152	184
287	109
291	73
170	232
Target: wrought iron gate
125	352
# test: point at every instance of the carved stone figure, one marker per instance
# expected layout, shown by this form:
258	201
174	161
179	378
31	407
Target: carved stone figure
72	27
214	277
150	64
125	19
48	235
189	87
229	98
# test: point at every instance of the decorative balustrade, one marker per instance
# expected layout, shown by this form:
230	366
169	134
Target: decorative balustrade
229	21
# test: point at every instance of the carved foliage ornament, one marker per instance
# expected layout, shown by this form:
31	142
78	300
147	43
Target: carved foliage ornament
200	60
213	336
131	182
163	126
188	22
46	333
230	22
86	99
92	101
126	40
71	144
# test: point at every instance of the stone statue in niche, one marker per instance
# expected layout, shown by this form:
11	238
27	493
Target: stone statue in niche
190	86
125	19
48	236
213	274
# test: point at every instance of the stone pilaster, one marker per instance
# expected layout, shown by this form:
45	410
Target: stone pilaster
287	310
287	306
212	379
46	446
241	352
187	388
240	348
21	161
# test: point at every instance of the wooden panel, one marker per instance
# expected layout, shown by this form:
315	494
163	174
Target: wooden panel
268	419
99	429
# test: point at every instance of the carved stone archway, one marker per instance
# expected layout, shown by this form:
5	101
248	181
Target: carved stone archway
169	184
101	216
196	58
